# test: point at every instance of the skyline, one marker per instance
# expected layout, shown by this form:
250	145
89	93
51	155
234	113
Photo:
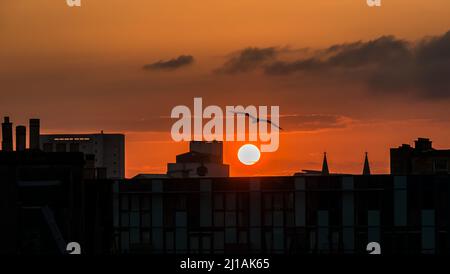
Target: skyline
116	142
121	68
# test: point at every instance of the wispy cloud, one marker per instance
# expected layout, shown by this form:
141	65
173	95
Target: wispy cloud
314	122
247	59
172	64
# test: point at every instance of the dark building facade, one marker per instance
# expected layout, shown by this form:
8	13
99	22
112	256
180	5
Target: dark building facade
283	215
49	199
46	203
421	159
42	198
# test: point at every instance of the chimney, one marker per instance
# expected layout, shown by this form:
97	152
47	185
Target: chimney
21	138
34	134
7	141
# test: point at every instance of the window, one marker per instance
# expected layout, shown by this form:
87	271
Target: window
278	209
125	219
61	147
170	242
134	219
125	240
146	237
74	147
218	202
219	241
441	165
48	147
229	210
231	201
230	218
146	219
134	235
219	218
145	203
135	203
124	203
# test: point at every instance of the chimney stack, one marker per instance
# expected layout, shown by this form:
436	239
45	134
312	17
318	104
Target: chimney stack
34	134
7	141
21	138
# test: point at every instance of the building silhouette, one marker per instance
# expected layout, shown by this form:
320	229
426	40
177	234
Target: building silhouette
38	207
366	168
204	159
52	198
325	170
108	149
421	159
48	200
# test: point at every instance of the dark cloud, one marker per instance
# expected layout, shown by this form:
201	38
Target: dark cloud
172	64
433	65
284	68
247	59
385	51
386	65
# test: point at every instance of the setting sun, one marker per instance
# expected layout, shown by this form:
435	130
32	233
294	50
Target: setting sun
249	154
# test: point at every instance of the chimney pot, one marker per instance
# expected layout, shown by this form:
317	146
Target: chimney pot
21	138
7	136
34	134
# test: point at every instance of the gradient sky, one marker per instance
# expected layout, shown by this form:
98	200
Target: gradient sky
341	88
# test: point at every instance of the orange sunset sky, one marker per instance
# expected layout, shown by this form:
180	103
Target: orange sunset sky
348	78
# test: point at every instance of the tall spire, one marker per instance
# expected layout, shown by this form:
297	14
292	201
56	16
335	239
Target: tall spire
366	170
325	170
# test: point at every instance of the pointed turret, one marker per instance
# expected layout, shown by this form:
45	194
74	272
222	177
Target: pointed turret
325	170
366	169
